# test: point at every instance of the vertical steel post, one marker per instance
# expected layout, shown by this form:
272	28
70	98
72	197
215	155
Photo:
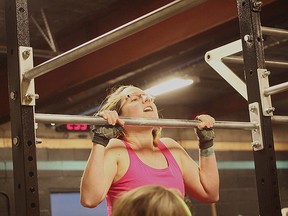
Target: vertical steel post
253	54
22	117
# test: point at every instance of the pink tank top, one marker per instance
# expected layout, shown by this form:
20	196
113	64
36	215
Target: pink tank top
139	174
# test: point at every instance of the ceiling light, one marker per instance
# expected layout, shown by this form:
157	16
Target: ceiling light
168	86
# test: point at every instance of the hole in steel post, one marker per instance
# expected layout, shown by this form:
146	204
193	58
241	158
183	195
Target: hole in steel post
30	158
29	143
251	72
11	51
19	186
33	205
31	174
262	181
21	9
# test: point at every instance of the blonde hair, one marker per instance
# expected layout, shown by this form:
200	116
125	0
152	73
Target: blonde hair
114	101
150	201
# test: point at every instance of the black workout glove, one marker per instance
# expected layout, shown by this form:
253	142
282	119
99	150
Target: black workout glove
102	134
205	137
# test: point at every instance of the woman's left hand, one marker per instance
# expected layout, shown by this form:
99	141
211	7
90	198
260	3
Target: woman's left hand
205	121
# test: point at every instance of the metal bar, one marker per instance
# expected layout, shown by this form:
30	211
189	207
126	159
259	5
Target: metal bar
265	159
268	63
22	117
214	59
164	123
274	31
276	89
279	119
117	34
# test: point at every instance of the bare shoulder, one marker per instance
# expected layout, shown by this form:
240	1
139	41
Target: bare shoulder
115	143
169	142
115	146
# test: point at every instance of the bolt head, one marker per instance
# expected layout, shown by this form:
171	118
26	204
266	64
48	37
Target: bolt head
13	95
15	141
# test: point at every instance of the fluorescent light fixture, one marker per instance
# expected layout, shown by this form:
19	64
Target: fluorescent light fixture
168	86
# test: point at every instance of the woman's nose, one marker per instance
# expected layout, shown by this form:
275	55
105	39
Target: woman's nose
145	98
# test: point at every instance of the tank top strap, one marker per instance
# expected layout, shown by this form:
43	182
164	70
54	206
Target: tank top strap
165	150
168	154
129	149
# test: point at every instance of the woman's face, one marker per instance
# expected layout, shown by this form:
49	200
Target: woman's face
136	103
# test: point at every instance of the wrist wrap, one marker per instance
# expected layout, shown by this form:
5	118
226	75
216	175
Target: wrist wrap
205	137
102	134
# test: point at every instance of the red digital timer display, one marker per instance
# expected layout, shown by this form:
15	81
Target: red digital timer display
73	128
77	127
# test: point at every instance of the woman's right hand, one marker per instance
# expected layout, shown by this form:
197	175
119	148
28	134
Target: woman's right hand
102	134
111	116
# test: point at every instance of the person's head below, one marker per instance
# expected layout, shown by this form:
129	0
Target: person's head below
131	101
150	201
284	211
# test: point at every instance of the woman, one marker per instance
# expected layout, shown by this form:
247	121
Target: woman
150	200
137	157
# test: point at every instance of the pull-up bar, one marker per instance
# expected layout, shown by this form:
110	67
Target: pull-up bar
274	31
164	123
117	34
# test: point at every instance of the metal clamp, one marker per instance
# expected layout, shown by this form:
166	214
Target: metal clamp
263	75
27	89
257	141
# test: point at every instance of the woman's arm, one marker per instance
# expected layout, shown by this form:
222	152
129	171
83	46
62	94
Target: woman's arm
101	166
98	175
201	182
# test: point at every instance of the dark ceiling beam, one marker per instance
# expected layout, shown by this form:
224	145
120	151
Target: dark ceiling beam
139	45
117	14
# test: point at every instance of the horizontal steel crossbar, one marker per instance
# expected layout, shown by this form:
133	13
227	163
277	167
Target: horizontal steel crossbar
274	31
268	63
279	119
276	89
164	123
113	36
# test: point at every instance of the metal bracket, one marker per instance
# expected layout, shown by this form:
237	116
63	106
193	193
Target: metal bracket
213	58
257	141
263	75
27	87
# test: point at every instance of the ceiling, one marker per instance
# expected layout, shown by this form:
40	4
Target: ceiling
175	46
